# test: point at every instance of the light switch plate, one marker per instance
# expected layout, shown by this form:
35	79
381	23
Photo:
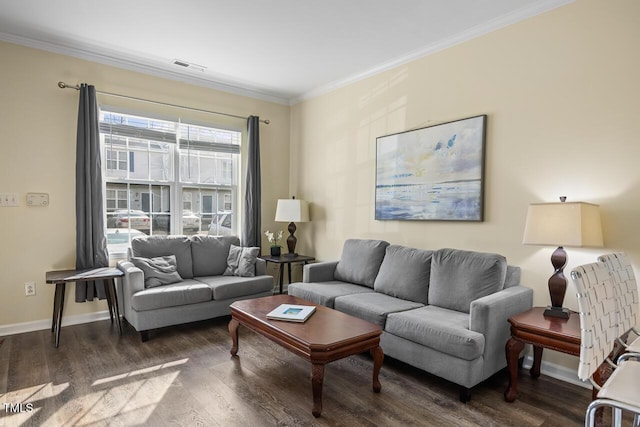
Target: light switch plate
37	199
9	199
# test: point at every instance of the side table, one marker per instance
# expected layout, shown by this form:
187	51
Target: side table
62	277
288	260
532	327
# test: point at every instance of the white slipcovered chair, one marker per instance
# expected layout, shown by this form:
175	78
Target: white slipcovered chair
600	327
626	288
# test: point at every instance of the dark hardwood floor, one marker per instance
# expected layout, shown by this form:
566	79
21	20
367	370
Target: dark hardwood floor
185	376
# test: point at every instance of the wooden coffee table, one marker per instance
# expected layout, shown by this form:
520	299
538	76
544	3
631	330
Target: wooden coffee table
326	336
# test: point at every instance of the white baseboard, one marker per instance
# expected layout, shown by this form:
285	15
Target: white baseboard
551	369
558	372
39	325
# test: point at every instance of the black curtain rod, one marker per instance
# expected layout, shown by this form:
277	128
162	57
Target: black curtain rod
63	85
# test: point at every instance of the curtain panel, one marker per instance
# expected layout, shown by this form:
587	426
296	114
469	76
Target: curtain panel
251	234
91	244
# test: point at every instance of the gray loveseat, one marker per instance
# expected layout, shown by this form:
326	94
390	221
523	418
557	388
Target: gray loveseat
443	311
200	289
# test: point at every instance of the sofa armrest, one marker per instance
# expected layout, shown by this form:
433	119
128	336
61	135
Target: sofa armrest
133	279
489	315
319	271
261	267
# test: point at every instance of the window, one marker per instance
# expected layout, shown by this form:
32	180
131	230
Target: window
165	177
117	159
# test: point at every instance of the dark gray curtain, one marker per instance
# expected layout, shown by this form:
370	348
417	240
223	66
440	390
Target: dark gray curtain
91	244
251	234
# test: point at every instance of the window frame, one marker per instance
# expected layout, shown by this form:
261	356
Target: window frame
176	187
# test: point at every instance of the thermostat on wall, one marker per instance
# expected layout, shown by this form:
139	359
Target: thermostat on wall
37	199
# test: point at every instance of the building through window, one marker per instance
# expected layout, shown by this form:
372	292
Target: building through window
165	177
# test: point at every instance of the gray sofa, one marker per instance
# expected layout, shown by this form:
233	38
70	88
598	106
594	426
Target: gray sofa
443	311
197	289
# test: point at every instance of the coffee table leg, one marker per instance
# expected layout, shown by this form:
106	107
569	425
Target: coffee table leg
512	350
378	356
317	377
233	330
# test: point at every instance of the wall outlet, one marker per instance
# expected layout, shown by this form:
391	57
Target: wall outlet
30	289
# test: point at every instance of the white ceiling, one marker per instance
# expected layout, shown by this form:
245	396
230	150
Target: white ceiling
279	50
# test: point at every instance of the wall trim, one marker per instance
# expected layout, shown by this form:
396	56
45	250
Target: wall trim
553	370
456	39
558	372
129	62
39	325
121	60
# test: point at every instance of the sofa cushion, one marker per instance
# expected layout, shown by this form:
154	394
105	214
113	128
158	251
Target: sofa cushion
404	273
459	277
177	294
512	277
242	261
158	271
373	307
325	293
154	246
360	261
210	254
225	287
444	330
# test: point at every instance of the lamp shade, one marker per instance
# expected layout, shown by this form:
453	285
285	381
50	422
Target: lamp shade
563	224
292	210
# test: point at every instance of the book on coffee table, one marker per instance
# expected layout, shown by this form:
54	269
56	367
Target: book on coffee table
291	312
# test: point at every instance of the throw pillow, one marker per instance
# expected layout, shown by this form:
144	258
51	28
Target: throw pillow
158	271
459	277
209	254
405	273
242	261
155	246
360	261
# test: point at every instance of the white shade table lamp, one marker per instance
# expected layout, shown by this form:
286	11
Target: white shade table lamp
562	224
292	210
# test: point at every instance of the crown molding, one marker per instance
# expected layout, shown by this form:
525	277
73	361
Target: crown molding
119	60
474	32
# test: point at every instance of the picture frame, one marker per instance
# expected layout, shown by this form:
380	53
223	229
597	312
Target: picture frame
433	173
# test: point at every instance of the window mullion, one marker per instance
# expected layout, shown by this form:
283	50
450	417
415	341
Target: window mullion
144	142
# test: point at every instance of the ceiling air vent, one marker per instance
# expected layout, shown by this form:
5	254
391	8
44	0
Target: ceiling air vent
189	65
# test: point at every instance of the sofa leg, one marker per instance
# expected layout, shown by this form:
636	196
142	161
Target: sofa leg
144	335
465	394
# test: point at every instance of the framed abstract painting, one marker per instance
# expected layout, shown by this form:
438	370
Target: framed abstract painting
432	173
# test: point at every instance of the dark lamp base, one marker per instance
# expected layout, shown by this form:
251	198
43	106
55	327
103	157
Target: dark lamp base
560	312
290	254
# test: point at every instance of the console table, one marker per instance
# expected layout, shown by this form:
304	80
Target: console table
288	260
62	277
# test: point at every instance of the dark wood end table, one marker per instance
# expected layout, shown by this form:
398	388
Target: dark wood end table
288	260
532	327
62	277
326	336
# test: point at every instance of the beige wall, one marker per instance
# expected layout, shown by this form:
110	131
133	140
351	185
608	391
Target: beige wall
562	96
37	154
563	100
